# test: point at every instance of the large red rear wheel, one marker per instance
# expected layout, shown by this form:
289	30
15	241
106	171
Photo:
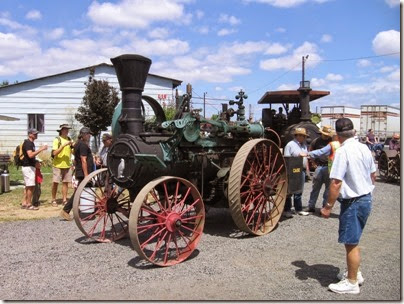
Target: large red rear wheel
257	186
100	208
166	221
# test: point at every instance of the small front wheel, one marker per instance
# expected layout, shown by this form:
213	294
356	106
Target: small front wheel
167	220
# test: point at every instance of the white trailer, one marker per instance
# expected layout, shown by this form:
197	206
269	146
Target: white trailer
330	114
382	119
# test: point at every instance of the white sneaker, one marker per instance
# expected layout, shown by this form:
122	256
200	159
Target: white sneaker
288	214
344	275
345	286
303	213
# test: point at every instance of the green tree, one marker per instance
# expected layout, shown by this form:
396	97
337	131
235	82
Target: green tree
98	105
169	109
4	83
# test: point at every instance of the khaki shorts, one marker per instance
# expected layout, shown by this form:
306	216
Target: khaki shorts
62	175
29	176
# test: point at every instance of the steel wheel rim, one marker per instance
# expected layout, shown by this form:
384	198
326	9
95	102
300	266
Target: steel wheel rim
166	221
105	220
257	186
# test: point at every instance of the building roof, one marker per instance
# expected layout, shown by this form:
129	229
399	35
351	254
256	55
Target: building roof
176	82
289	96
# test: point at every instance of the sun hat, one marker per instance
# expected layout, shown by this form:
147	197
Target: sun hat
33	131
106	136
301	131
326	130
63	126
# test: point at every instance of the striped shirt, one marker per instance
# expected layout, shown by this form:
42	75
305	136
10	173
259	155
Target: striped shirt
353	164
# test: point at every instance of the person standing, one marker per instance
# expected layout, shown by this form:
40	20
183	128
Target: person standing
28	167
321	174
352	182
296	147
101	161
84	165
62	172
38	181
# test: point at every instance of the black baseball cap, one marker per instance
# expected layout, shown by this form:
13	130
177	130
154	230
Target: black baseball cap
343	124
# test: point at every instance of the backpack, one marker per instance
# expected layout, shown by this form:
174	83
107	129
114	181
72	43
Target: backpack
18	155
59	144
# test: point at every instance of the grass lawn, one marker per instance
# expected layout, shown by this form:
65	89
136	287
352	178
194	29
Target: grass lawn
10	203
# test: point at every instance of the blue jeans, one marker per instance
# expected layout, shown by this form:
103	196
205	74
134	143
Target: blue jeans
352	219
297	198
321	176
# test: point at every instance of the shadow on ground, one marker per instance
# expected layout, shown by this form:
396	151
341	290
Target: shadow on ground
323	273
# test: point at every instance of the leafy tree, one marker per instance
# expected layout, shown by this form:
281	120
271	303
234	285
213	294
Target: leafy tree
4	83
214	117
98	105
169	109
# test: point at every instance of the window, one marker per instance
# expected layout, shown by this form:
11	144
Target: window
37	121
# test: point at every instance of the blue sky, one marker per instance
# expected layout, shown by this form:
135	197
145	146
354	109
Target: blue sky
219	46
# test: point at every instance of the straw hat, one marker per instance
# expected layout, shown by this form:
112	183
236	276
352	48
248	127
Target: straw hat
63	126
301	131
326	130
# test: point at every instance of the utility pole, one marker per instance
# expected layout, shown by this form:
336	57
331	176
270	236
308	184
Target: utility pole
303	61
204	111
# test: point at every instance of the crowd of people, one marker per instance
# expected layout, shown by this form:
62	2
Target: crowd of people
344	166
70	161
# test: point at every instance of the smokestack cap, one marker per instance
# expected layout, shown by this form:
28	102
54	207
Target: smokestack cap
131	71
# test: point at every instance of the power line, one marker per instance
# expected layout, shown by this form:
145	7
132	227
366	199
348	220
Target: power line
357	58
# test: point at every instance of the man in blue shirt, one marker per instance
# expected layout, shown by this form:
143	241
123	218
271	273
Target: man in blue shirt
352	182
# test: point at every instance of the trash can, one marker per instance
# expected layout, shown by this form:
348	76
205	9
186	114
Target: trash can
294	166
5	181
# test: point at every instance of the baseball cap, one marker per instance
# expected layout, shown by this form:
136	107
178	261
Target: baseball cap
85	130
33	131
343	124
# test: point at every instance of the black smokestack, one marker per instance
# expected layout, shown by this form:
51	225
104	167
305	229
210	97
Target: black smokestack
131	71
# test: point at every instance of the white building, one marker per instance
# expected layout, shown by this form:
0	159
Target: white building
330	114
45	103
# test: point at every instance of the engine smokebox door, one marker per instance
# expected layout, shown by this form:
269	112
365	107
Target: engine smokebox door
294	166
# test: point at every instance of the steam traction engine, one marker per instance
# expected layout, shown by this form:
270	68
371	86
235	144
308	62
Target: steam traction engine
161	175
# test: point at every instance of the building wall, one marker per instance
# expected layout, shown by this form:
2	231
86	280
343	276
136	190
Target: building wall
58	97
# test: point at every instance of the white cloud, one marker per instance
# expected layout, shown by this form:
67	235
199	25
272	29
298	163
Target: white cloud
159	33
395	76
225	32
224	18
33	15
55	33
14	47
387	42
334	77
326	38
276	49
363	63
235	89
317	82
285	3
287	86
280	30
136	13
218	89
15	26
203	30
160	47
392	3
387	69
199	14
294	60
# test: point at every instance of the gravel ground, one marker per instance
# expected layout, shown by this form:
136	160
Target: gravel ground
51	260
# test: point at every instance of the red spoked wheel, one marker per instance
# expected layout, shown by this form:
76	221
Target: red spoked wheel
100	208
257	186
167	220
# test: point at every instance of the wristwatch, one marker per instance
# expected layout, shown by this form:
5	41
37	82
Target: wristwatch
329	206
